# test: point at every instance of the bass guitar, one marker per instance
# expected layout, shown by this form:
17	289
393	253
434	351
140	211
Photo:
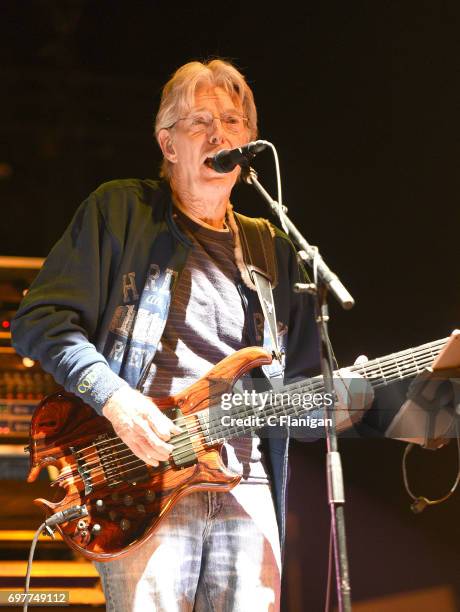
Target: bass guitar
123	498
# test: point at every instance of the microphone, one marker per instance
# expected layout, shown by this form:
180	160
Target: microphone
226	160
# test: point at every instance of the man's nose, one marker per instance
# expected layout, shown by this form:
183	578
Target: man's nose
216	131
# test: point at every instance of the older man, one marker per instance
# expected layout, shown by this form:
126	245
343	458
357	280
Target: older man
145	291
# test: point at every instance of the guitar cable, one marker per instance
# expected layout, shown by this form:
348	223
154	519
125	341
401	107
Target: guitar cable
47	527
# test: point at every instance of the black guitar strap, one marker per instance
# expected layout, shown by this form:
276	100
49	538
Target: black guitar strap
259	258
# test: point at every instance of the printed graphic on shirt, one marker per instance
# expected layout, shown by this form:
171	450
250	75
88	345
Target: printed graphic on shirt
138	323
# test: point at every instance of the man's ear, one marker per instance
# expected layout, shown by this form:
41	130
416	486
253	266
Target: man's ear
167	145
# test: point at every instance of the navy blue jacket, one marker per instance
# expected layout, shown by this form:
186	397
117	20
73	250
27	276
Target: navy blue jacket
96	311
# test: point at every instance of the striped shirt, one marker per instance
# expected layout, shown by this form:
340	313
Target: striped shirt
206	323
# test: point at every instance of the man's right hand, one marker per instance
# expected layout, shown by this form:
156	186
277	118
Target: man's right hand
141	425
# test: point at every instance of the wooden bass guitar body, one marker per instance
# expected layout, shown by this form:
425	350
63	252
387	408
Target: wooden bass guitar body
125	498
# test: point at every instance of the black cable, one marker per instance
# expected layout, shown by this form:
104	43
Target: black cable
327	605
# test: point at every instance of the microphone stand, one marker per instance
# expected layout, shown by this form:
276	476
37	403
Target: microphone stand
324	280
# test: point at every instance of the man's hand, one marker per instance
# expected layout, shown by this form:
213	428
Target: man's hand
354	397
428	415
141	425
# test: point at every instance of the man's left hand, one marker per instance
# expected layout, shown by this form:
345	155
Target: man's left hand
354	396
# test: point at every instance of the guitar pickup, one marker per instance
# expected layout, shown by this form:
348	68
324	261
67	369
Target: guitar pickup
82	469
183	454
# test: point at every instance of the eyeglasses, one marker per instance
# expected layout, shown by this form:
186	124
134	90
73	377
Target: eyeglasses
201	121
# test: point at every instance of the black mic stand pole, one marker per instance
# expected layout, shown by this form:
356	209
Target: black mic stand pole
324	280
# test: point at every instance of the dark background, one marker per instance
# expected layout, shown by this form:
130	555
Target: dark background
361	99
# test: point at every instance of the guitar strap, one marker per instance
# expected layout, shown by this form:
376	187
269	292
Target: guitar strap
259	260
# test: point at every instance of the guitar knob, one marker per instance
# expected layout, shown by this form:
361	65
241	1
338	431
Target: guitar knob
99	504
125	524
128	500
140	508
96	530
150	495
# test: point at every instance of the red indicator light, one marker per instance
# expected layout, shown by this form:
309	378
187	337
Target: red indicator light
5	324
